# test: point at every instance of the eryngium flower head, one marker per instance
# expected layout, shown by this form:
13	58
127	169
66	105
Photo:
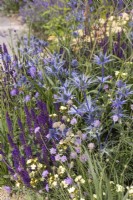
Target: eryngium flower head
102	59
64	95
82	82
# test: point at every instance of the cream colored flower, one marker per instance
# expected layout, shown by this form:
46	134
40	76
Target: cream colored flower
53	38
111	18
39	166
29	161
64	184
68	120
94	196
33	166
63	108
1	157
56	176
111	182
78	178
130	191
119	188
61	170
125	16
32	174
80	32
17	184
56	124
70	102
117	73
82	181
53	115
54	184
64	118
101	21
71	190
124	75
62	127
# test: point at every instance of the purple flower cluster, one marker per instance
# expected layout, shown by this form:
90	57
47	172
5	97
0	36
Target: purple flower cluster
38	128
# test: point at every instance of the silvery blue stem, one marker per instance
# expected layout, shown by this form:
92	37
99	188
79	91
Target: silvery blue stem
102	73
107	137
99	140
86	100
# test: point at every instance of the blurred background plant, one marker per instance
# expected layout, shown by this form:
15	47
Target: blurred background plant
11	6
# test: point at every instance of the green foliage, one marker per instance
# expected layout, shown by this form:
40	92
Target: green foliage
11	5
107	171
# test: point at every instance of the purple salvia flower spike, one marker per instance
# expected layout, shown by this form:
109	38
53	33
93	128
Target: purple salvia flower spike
9	124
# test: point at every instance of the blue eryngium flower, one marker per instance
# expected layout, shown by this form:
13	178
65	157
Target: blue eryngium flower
55	66
82	82
118	103
63	96
102	59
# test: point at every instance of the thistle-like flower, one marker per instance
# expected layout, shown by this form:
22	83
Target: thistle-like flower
82	82
102	59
